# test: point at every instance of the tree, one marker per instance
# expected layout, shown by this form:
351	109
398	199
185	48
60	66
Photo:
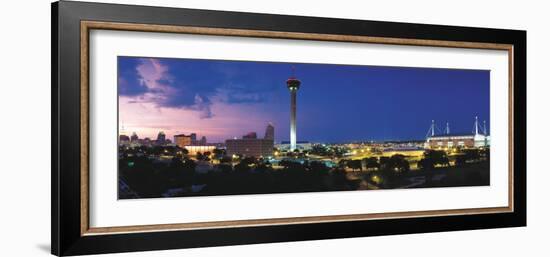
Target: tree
385	163
285	163
437	157
184	151
425	164
460	160
399	163
342	163
372	163
263	167
189	166
242	167
319	150
319	167
218	153
225	159
292	166
201	157
471	155
445	161
225	168
487	154
355	165
250	160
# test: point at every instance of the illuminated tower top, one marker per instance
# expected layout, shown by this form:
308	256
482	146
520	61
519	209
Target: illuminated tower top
293	83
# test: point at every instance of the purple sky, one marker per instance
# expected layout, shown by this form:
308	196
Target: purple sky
226	99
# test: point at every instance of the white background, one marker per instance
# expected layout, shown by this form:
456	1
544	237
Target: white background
25	103
106	211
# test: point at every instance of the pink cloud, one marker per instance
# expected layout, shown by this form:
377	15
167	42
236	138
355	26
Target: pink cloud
147	119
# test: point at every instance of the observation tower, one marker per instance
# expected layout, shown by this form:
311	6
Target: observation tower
293	84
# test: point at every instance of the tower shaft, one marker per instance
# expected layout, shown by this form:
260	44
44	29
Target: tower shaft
293	84
292	120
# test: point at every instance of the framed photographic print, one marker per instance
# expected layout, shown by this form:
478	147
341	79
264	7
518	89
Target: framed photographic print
177	128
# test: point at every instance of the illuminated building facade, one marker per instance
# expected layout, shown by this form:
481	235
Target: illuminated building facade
478	138
300	145
194	149
183	140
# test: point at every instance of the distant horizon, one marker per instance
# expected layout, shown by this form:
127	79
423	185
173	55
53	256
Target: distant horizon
171	138
336	103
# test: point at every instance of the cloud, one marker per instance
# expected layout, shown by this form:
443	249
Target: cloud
203	105
154	83
191	84
128	78
238	96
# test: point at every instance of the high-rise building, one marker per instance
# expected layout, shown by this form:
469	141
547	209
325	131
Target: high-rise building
134	137
161	138
203	140
182	140
293	85
193	138
147	141
250	135
251	145
269	132
123	139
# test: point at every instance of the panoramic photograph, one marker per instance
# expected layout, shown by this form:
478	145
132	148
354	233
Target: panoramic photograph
197	127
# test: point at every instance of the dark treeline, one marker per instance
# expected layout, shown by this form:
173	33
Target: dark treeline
471	168
148	178
250	176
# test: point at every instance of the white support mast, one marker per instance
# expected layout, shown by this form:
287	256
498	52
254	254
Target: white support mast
476	126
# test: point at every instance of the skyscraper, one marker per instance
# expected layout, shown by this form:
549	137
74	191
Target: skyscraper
269	132
134	137
203	140
251	145
250	135
293	85
161	138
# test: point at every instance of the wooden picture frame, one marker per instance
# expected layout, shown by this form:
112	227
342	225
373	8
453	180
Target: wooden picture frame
71	25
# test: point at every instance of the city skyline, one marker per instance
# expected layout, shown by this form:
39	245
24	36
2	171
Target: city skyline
227	99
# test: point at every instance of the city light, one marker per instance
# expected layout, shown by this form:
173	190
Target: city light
345	147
